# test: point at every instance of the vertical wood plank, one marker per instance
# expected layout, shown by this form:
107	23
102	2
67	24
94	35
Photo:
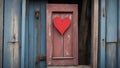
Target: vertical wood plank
111	55
111	19
94	42
111	33
49	35
57	44
12	20
1	32
102	34
23	33
36	35
26	37
118	33
32	36
43	32
57	40
68	38
83	28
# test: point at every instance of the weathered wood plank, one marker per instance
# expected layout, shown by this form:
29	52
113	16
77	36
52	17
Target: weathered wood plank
43	32
35	35
111	55
1	32
111	19
26	38
94	42
12	21
102	34
57	40
111	33
83	31
32	29
23	33
68	38
79	66
118	33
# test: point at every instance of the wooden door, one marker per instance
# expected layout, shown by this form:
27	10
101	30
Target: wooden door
109	54
62	46
35	38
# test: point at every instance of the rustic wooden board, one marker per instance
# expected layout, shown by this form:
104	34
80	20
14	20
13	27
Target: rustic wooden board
58	40
79	66
58	52
35	37
1	32
22	58
12	22
83	34
111	33
111	20
102	34
111	55
119	34
94	25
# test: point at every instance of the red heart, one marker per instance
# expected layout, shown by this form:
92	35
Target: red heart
61	25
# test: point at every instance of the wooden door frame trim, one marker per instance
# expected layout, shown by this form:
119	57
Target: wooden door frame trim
94	33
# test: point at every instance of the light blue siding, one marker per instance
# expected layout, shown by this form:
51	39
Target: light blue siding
111	19
119	34
111	55
12	23
102	34
43	33
23	33
24	36
109	51
35	35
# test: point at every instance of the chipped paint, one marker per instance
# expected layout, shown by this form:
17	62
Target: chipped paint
69	37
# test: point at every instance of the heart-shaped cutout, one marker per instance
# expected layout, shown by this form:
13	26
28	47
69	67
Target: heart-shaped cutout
61	24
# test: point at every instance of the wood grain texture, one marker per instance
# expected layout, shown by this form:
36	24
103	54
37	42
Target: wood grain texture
111	58
83	34
118	33
79	66
111	20
12	22
50	39
94	42
23	33
1	31
111	33
102	34
35	37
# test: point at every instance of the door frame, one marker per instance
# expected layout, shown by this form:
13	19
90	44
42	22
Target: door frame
94	33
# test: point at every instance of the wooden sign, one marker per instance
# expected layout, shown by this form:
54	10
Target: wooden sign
62	34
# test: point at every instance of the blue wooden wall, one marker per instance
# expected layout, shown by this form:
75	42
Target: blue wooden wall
12	23
35	36
109	48
24	36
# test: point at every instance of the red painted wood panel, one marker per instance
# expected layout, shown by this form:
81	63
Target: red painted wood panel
62	49
57	40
